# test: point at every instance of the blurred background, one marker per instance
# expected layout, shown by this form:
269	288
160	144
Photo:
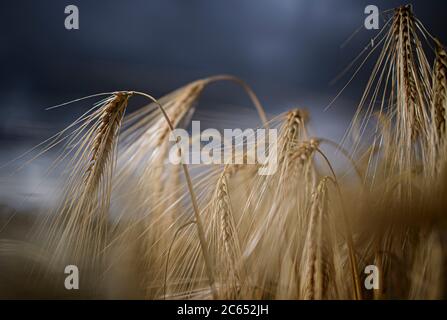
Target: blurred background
287	50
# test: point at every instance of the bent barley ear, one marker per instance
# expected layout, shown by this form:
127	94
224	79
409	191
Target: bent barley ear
78	230
104	140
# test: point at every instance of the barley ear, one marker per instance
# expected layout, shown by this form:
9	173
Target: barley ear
317	262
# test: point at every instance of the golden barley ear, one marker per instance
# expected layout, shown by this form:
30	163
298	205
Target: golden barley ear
274	204
227	249
317	260
78	229
400	87
104	139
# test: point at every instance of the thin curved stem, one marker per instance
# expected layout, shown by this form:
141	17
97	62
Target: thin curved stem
345	153
199	224
253	97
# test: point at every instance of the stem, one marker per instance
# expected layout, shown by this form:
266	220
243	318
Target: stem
247	89
199	224
345	153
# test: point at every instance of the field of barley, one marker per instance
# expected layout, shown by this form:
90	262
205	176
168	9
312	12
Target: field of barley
140	227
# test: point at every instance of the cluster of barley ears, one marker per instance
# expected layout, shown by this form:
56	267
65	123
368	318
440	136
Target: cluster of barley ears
143	227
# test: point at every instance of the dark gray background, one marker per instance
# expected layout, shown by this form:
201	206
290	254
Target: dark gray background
288	50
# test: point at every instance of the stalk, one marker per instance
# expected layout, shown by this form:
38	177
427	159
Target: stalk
199	223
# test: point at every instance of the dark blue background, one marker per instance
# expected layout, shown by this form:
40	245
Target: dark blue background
288	50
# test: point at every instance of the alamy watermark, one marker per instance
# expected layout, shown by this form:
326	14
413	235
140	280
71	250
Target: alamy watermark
235	146
372	279
372	20
71	282
72	19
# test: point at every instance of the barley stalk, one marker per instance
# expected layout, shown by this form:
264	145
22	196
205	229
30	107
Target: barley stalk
198	220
